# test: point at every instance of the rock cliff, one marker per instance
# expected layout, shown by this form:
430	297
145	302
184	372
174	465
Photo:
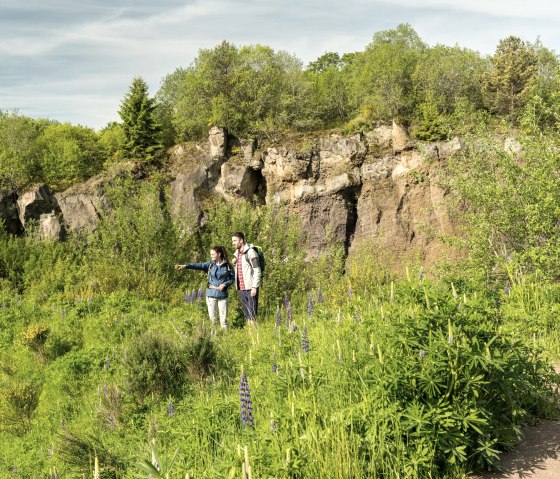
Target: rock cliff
378	189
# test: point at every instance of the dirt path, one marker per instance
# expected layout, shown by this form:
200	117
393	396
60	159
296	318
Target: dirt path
536	457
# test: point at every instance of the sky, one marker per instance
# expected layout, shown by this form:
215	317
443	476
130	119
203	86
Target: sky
74	60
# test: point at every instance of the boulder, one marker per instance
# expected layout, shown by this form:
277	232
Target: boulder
35	202
446	149
51	226
400	139
81	210
285	166
380	138
238	181
338	155
217	138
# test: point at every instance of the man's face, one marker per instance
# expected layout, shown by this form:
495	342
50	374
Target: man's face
236	242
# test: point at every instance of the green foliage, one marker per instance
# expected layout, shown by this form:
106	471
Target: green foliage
111	140
512	203
506	85
141	132
136	243
68	154
381	75
158	365
444	74
19	155
19	401
430	124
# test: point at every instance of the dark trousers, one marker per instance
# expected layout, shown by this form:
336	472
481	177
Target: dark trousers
249	304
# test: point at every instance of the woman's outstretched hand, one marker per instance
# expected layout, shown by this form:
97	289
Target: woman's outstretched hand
180	266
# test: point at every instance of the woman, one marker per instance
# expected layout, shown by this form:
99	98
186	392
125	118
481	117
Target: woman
220	278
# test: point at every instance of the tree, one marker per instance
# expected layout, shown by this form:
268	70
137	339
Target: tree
514	70
18	150
382	74
141	131
68	153
445	74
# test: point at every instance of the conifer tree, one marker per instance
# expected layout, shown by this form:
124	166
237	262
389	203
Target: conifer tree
141	130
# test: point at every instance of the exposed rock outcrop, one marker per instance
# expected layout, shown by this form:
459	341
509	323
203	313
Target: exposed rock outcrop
379	189
9	212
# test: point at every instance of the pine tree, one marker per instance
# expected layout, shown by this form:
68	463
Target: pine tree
141	131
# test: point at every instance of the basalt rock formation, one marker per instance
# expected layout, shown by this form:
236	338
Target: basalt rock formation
378	189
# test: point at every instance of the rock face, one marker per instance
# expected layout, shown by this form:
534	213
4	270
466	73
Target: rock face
9	213
379	189
40	205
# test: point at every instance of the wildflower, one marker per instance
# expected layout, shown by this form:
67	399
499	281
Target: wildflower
275	367
245	402
304	340
170	409
288	315
349	291
201	293
422	354
320	296
187	298
107	364
278	317
285	302
506	289
272	426
193	295
310	306
105	389
421	274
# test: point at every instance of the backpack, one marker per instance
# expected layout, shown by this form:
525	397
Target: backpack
260	254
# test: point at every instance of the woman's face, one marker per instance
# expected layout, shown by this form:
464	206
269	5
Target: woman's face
214	256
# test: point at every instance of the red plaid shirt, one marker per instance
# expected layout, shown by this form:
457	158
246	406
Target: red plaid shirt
240	281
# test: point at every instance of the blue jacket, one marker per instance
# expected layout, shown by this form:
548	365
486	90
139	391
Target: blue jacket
222	274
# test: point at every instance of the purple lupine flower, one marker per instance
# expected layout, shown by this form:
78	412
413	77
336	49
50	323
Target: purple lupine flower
310	306
187	298
272	426
105	389
421	274
286	302
275	367
319	296
349	291
421	354
107	364
288	315
304	340
278	317
245	402
170	409
201	293
193	295
506	288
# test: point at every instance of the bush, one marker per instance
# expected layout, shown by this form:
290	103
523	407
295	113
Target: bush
156	365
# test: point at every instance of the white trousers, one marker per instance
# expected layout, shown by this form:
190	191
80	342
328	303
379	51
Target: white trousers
215	305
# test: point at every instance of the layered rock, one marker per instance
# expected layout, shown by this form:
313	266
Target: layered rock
39	205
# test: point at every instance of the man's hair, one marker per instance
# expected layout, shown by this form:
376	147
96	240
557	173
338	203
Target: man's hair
239	235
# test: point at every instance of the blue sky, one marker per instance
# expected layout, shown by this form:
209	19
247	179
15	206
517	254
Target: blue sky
74	60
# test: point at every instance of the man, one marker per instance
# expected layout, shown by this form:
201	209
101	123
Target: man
247	275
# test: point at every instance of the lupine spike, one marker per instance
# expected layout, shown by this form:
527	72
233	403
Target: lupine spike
201	293
278	317
286	302
349	291
320	296
310	306
304	340
107	364
171	409
245	401
288	315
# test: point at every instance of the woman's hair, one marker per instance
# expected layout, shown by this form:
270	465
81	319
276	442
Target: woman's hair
221	252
